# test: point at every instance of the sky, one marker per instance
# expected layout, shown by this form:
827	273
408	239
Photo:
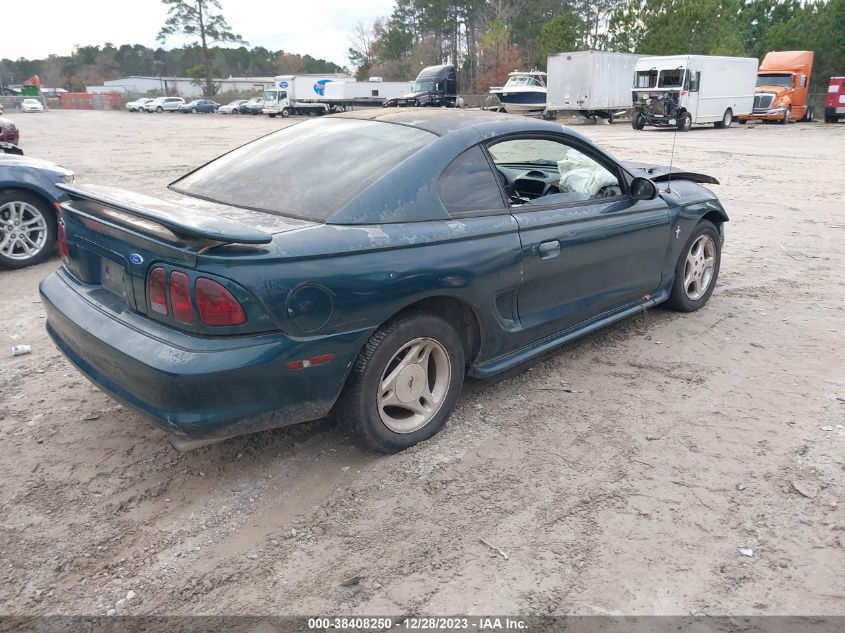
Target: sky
319	28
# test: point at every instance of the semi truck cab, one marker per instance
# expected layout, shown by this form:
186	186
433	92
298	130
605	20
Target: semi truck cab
434	86
783	83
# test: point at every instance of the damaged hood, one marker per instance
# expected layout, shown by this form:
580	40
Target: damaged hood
662	173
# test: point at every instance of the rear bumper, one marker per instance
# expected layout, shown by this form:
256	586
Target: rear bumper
198	387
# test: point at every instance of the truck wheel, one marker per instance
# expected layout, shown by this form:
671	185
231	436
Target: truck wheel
726	121
638	121
285	113
405	382
786	116
272	115
809	115
830	119
685	122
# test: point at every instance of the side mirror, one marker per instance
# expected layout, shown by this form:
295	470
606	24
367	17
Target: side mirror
643	189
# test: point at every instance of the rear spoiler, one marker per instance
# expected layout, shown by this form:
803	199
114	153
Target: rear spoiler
182	221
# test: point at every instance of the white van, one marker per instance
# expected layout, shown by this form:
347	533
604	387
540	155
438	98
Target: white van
682	90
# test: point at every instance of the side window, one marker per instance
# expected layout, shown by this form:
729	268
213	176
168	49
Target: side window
803	81
468	184
541	171
694	81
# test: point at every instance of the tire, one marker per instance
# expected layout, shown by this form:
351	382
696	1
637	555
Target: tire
685	122
830	119
726	121
193	110
14	203
159	109
285	113
689	295
638	121
786	116
393	428
271	115
809	115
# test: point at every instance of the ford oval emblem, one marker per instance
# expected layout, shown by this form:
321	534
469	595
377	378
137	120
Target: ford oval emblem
136	259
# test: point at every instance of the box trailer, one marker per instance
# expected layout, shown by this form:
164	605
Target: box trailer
682	90
595	83
342	96
300	94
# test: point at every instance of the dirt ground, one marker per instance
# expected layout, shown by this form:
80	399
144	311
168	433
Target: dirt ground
669	464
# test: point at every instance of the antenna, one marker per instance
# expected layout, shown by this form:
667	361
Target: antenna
675	134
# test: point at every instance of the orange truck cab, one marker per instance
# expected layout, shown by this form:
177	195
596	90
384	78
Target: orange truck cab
834	109
783	82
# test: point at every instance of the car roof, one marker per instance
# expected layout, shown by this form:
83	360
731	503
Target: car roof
442	121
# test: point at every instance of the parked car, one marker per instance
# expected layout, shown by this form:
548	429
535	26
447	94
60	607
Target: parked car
29	202
9	148
438	242
138	104
31	105
2	111
253	106
9	132
199	105
233	107
164	104
834	109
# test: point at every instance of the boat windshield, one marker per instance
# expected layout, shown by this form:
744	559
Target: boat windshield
522	80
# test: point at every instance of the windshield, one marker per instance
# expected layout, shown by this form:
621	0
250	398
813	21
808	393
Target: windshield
309	170
672	78
269	95
645	79
775	80
523	81
425	86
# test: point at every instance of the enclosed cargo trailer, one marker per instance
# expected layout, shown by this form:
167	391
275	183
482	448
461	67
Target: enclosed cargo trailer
596	84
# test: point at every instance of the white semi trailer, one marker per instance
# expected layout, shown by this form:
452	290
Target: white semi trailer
596	84
682	90
300	94
348	94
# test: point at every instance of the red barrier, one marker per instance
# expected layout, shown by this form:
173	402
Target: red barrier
89	101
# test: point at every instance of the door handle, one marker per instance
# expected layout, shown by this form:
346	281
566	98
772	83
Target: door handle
550	249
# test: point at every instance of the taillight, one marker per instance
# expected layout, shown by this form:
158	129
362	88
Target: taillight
61	237
217	306
180	297
157	289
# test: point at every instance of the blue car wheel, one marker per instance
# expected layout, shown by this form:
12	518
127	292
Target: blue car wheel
27	229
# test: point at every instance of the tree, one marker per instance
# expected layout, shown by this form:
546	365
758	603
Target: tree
196	18
562	33
498	57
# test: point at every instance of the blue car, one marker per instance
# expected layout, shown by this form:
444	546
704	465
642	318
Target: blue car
29	205
199	105
362	264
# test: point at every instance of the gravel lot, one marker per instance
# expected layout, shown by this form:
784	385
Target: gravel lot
669	464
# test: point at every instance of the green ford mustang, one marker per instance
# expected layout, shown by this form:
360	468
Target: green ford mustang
362	264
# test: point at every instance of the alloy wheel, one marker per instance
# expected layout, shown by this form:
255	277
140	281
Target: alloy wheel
699	267
414	385
23	230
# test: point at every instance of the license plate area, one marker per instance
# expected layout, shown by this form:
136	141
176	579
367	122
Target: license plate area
114	278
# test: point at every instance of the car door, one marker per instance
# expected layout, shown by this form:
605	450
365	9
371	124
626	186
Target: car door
588	247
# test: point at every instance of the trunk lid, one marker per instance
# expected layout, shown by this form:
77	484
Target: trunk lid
113	237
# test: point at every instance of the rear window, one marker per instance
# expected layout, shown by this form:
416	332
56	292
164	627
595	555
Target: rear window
309	170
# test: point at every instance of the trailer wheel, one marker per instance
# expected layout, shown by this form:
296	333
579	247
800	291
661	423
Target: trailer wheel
285	113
